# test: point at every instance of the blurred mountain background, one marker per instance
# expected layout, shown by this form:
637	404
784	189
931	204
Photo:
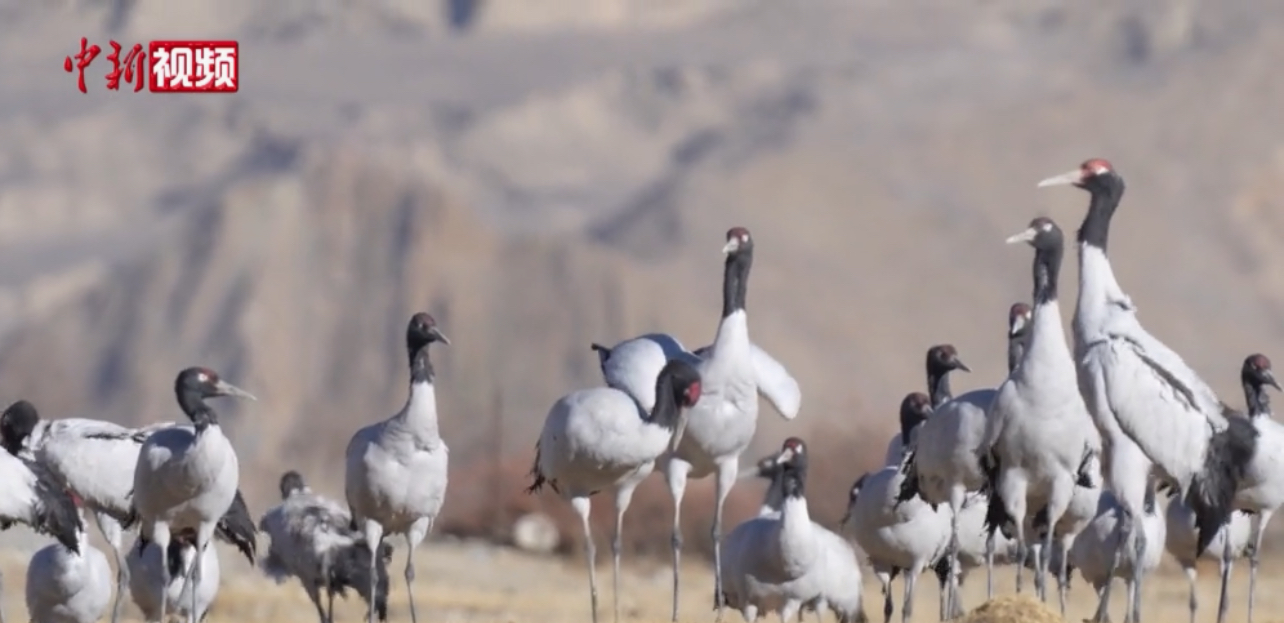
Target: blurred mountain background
540	174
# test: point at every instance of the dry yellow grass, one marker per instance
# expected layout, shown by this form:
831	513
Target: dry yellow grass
476	583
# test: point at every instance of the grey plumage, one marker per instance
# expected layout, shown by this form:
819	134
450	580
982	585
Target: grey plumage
395	476
312	539
186	477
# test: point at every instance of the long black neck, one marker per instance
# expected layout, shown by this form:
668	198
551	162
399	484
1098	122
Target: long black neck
909	421
1095	230
1016	349
665	411
938	385
1047	266
1255	395
194	406
420	366
793	480
735	281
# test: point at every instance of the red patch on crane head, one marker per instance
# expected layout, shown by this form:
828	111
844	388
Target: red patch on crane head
1093	167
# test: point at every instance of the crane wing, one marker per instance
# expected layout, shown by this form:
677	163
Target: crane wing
1156	406
773	380
776	384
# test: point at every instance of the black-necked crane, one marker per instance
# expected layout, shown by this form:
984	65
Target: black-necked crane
396	475
1152	410
186	477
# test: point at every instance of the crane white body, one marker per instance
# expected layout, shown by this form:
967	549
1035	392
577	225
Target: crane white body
795	561
157	585
840	583
64	586
1152	410
723	423
1037	426
311	539
95	459
906	537
600	439
1094	549
186	477
396	470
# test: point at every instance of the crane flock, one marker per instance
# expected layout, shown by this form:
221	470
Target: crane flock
1056	467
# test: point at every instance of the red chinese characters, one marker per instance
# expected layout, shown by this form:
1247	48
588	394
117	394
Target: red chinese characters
132	68
86	56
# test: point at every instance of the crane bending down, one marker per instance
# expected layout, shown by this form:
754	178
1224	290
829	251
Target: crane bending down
157	580
395	480
723	423
1138	389
1037	427
186	477
600	439
312	539
93	458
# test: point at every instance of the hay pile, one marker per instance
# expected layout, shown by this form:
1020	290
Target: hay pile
1013	609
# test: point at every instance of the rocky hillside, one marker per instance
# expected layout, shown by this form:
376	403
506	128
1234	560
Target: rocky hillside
540	179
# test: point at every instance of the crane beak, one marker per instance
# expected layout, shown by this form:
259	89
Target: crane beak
731	246
1068	178
1018	325
847	516
1270	380
440	337
680	429
1026	236
223	388
958	363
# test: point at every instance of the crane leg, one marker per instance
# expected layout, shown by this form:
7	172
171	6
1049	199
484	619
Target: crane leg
675	473
885	579
623	498
582	506
1063	571
314	594
418	531
1255	555
791	609
1139	553
2	597
727	471
989	566
374	537
1223	599
111	530
1192	580
160	539
907	603
204	534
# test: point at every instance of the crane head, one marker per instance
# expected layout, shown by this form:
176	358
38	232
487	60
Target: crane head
683	380
1019	316
16	424
291	482
943	358
1041	233
205	383
738	241
1090	175
423	331
1257	371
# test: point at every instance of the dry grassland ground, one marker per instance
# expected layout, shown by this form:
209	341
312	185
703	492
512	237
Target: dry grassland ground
475	582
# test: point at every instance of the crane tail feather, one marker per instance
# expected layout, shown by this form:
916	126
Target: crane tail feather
236	528
537	477
350	568
1212	491
56	513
